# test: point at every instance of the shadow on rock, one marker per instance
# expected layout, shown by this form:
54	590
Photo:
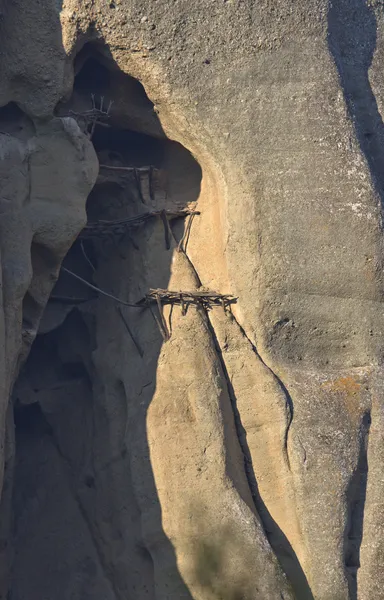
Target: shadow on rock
352	33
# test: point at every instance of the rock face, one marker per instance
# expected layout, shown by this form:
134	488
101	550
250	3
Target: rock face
162	451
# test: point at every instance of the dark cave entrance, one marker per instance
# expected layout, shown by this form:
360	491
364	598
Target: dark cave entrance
73	534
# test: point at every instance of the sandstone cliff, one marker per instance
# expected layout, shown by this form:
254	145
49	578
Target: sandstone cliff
196	446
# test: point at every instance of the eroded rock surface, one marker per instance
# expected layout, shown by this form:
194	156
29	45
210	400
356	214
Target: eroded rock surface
206	453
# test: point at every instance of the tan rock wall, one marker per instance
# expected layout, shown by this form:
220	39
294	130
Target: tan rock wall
249	444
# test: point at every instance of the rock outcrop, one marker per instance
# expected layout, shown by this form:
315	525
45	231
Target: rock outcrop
175	449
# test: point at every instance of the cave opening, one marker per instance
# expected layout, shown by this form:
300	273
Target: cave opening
75	516
14	122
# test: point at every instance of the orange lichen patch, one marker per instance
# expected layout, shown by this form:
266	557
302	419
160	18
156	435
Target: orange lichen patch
349	389
348	385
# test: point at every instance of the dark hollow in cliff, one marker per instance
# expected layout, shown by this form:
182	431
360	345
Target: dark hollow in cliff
75	516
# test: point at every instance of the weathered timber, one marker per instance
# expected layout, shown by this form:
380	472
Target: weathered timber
120	226
88	119
204	299
185	298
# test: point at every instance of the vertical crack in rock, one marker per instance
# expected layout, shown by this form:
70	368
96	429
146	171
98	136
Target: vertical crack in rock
276	537
279	542
241	435
356	495
288	398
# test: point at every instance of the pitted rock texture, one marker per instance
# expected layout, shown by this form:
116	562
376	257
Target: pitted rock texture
241	458
47	171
